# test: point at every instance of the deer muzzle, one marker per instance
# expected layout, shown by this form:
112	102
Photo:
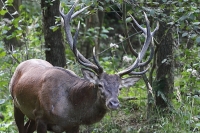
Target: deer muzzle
113	104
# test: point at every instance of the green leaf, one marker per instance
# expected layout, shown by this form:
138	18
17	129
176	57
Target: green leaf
2	101
170	23
155	3
9	37
8	2
100	8
104	36
184	34
105	31
2	53
198	39
54	28
197	124
196	23
4	31
3	12
152	12
181	9
15	13
129	19
110	28
193	35
183	17
163	61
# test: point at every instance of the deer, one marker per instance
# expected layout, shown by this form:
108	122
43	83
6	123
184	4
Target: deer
56	99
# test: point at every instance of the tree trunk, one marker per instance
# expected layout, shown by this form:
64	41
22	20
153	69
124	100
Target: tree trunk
162	86
55	50
164	82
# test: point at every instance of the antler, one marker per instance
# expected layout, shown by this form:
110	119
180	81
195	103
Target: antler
73	40
148	38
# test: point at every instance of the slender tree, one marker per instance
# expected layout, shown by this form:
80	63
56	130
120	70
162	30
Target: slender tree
164	82
55	50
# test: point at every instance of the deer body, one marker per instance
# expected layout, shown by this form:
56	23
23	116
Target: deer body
55	95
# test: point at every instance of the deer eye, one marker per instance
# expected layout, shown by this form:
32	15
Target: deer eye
100	86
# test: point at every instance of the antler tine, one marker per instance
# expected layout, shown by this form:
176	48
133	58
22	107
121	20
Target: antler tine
144	64
80	58
150	58
72	41
96	62
143	29
157	27
139	73
78	12
67	19
129	69
148	38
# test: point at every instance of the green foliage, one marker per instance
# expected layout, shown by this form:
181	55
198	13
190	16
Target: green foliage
6	109
29	32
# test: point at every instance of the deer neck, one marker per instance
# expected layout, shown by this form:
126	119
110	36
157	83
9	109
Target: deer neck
86	98
86	93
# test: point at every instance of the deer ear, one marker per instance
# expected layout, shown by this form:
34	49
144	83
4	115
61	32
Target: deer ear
89	75
127	82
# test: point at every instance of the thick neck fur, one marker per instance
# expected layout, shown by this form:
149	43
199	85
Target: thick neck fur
88	104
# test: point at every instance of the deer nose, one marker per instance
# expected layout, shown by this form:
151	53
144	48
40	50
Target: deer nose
113	104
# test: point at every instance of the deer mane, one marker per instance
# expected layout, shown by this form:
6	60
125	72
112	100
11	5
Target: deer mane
82	92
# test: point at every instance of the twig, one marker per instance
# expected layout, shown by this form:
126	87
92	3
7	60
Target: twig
126	31
130	98
6	9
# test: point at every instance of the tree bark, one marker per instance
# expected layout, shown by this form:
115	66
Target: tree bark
55	50
164	82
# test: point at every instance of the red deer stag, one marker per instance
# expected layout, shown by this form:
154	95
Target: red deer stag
56	99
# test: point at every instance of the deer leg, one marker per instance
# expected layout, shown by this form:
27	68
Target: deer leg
41	126
73	130
30	126
19	119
